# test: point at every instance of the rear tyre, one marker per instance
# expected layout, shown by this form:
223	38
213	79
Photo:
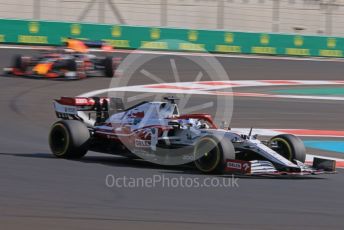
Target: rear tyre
69	139
77	67
108	67
71	65
211	153
21	63
289	146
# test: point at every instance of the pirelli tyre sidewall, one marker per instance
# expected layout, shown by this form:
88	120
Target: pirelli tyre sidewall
69	139
21	62
290	147
211	152
71	65
79	67
108	67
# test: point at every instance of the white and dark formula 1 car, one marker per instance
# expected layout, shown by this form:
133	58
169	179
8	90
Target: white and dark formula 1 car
70	63
157	132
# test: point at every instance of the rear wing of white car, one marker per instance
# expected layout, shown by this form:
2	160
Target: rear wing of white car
76	107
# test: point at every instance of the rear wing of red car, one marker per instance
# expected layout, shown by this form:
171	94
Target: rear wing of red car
83	46
75	107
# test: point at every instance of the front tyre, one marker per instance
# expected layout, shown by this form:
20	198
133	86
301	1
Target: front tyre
108	67
69	139
211	153
289	146
21	62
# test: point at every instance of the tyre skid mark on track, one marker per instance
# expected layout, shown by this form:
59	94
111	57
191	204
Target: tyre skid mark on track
14	100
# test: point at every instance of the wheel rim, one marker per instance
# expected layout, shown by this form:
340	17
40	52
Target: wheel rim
59	140
283	148
207	154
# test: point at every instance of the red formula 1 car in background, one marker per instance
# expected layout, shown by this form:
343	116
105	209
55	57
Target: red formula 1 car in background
71	62
157	132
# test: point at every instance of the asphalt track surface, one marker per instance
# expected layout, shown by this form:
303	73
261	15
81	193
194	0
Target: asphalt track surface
38	191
